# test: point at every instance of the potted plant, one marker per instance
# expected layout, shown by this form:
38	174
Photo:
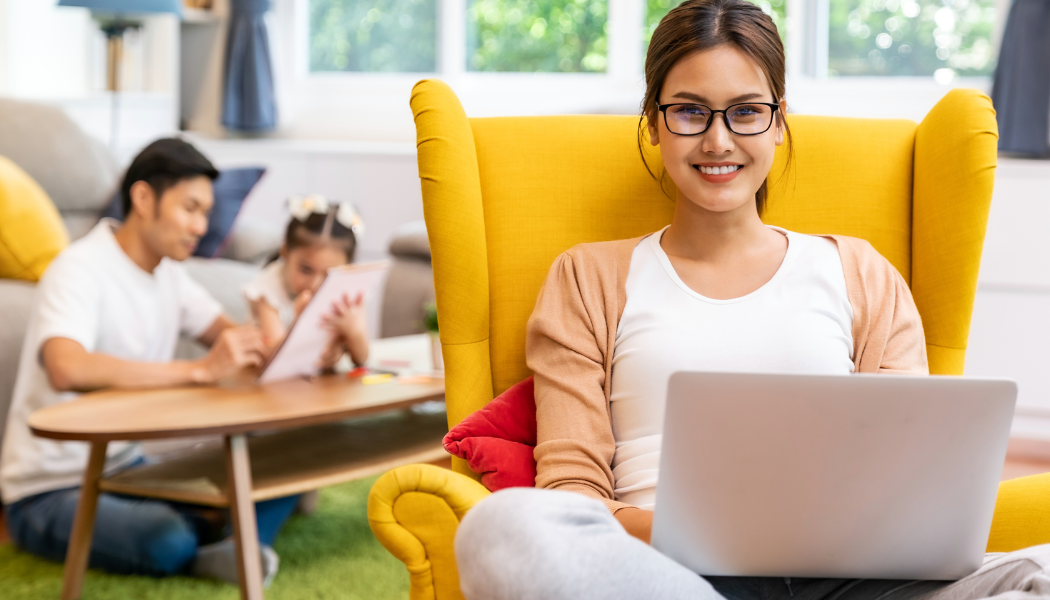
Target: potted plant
430	323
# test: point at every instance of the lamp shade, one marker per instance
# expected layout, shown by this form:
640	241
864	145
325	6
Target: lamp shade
127	7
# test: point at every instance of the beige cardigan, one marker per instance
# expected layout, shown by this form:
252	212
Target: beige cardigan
572	331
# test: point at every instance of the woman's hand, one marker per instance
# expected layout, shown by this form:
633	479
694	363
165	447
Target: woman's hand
347	321
637	521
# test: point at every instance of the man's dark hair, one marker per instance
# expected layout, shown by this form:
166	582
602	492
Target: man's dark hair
163	164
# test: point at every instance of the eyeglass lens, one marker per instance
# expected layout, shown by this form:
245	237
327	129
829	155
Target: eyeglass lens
691	119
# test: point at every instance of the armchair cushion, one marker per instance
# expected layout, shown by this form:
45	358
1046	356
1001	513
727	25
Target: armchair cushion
497	441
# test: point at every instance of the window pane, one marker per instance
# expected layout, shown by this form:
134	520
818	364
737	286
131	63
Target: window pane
657	9
943	38
536	35
373	35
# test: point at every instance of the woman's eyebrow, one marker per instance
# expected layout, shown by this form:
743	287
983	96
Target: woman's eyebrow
702	100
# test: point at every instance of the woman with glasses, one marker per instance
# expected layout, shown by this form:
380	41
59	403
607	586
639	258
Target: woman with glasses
716	290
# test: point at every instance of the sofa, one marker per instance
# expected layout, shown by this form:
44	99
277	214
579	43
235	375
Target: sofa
80	175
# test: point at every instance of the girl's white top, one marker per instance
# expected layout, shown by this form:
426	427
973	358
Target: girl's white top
800	321
269	285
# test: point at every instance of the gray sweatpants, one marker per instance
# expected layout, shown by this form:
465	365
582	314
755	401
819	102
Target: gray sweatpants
524	544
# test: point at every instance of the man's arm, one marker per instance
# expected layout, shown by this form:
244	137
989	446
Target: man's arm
70	367
211	334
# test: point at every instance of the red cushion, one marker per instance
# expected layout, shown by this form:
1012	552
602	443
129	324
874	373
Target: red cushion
497	441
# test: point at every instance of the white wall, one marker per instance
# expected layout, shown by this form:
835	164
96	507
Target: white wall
1010	333
56	55
45	49
381	179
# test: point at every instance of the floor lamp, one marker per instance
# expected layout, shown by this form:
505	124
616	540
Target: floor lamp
115	17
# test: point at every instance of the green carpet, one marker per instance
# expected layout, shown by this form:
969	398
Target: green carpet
330	554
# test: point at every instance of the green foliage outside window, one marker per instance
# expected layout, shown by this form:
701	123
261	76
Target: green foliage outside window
373	35
656	9
911	37
537	35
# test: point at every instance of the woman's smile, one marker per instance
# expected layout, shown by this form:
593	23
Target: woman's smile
718	172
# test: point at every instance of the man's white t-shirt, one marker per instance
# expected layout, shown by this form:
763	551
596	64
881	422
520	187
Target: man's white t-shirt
800	321
93	294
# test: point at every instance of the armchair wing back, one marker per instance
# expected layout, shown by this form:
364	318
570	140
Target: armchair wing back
502	197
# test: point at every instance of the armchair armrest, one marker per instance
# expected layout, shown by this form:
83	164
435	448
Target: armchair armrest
1021	517
414	512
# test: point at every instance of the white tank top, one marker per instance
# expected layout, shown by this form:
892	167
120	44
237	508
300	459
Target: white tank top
800	321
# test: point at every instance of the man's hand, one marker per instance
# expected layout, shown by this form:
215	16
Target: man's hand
234	349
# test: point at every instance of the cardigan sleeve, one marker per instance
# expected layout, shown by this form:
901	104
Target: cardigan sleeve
905	341
565	348
887	328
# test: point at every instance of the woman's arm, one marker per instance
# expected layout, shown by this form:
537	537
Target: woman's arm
566	340
637	521
887	329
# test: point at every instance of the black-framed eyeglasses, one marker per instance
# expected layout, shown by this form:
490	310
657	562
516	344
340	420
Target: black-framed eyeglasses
747	118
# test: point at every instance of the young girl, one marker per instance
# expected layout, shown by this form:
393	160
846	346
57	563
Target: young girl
716	290
320	236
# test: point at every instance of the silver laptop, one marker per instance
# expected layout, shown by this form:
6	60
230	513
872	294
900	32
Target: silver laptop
867	476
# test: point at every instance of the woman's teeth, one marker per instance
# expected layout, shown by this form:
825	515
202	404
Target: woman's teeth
718	170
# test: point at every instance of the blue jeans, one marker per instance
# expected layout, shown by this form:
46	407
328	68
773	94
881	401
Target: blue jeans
132	536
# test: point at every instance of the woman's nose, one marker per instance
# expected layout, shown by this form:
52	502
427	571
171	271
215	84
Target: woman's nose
717	139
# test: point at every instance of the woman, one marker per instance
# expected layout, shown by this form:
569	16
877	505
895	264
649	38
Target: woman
715	290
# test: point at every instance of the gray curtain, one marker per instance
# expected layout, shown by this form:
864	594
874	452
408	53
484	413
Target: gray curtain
248	98
1021	92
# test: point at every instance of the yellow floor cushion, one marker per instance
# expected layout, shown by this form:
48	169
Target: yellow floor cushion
31	230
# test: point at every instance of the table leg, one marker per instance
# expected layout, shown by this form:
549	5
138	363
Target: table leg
242	510
79	548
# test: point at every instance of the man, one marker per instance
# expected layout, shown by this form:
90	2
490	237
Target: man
109	312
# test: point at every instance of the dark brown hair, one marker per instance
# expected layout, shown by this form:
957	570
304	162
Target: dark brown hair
697	25
302	234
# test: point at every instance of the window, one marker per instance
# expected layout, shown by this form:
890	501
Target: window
911	37
373	35
835	38
536	35
656	9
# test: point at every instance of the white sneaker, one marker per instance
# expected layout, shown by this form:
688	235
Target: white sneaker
219	561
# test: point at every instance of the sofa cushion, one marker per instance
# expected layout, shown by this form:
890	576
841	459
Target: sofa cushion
31	230
497	441
77	171
16	302
231	188
410	241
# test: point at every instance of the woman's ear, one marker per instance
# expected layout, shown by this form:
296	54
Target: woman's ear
654	132
781	120
283	251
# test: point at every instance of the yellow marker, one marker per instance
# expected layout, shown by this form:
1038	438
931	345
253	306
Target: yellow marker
377	378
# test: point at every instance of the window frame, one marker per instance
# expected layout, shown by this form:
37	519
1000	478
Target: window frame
590	92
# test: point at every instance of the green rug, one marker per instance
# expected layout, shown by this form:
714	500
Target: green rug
330	554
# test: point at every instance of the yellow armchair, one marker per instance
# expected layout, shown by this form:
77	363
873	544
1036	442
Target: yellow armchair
502	197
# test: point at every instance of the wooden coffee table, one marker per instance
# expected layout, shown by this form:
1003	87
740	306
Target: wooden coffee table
318	432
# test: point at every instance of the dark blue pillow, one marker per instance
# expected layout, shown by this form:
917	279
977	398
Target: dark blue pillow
231	188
